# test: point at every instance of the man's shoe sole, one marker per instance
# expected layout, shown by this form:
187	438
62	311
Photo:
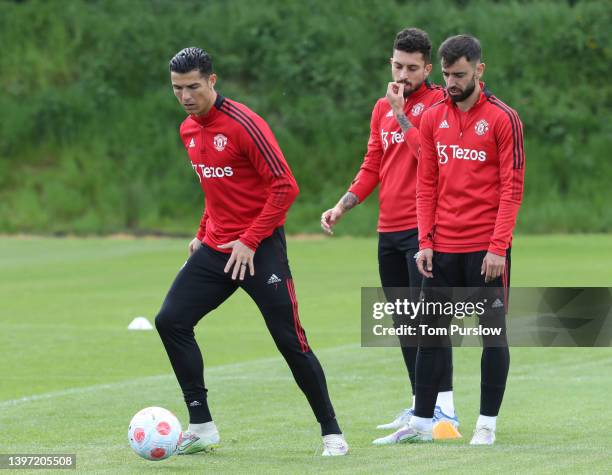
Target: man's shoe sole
205	449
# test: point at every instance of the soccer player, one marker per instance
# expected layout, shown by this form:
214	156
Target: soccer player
240	243
391	161
469	190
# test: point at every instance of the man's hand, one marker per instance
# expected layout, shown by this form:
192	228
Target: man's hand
194	245
424	262
492	266
331	217
241	258
395	96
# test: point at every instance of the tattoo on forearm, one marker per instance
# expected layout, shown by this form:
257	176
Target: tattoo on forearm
403	121
349	200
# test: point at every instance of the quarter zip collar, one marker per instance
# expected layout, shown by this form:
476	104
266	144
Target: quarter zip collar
420	92
205	119
465	118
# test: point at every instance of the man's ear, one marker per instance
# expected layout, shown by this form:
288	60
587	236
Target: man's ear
480	68
212	80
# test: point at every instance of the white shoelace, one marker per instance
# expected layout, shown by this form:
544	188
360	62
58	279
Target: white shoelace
336	442
403	413
483	431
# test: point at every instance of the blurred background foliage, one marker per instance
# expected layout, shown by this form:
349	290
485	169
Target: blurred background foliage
89	125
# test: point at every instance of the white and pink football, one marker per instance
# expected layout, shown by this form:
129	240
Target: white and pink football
154	433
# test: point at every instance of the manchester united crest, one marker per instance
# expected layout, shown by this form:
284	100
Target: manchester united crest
481	127
417	109
220	141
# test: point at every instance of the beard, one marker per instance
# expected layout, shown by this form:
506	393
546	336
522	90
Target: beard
463	95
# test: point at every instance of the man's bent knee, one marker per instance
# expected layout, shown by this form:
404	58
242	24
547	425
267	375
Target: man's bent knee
168	320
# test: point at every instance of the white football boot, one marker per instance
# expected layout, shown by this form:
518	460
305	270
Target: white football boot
192	443
483	435
402	419
405	434
334	445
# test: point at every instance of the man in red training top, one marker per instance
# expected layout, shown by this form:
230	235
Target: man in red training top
391	161
469	190
240	243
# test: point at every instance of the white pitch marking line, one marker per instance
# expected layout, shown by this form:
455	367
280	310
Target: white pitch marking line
159	377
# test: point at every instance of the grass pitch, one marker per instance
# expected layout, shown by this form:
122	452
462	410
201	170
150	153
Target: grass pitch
72	376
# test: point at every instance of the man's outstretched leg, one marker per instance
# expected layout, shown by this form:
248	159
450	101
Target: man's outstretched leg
273	290
199	287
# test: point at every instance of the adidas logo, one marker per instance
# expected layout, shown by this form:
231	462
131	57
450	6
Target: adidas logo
444	124
195	403
498	303
192	143
390	113
273	279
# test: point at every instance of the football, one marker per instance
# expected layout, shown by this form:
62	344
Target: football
154	433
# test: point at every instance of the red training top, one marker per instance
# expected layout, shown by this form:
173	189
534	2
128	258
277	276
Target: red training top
392	163
470	176
247	183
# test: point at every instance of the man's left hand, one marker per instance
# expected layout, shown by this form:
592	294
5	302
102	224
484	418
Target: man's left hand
492	266
240	259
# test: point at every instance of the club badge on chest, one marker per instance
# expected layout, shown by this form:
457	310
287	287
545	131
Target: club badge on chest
219	142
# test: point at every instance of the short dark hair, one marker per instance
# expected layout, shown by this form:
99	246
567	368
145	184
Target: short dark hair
460	46
189	59
413	40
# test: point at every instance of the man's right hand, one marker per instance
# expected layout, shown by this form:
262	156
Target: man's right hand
395	97
331	217
194	245
424	262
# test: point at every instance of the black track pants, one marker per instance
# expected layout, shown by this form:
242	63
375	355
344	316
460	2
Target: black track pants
201	286
397	268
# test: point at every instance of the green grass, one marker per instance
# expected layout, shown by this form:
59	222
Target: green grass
72	375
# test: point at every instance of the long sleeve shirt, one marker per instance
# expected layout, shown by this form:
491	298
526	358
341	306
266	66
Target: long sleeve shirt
470	176
391	160
247	183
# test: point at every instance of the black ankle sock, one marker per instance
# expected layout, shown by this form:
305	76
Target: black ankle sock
198	411
330	427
